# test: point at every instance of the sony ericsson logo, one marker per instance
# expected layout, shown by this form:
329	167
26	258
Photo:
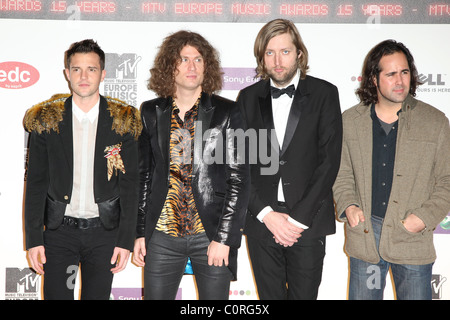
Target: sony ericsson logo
17	75
238	78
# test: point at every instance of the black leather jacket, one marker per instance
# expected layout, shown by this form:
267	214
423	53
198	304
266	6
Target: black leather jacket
221	189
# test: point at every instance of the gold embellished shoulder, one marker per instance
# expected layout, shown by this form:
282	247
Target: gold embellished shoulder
47	115
126	118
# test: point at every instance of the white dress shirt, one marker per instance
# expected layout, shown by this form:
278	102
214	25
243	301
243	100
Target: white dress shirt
82	203
280	111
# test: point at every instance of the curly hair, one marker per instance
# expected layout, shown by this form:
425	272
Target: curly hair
272	29
367	91
162	74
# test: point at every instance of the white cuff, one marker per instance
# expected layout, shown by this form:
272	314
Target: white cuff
267	209
263	213
298	224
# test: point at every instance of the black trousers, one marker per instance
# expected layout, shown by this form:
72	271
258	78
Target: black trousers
292	273
165	263
67	248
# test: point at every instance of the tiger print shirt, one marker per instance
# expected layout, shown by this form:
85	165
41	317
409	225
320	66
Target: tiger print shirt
179	216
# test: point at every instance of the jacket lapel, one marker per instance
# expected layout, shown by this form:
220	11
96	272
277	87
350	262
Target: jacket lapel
265	105
205	113
163	114
66	133
102	140
364	136
300	99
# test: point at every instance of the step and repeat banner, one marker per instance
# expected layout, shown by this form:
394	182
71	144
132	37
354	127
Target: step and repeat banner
338	34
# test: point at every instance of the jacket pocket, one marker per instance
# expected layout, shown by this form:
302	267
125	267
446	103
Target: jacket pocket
109	212
411	245
54	213
355	244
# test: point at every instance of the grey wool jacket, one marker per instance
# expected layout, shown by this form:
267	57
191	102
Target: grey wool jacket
421	183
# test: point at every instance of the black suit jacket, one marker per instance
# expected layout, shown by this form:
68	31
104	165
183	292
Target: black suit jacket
309	156
220	189
50	171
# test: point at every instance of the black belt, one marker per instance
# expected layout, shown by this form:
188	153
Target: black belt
78	223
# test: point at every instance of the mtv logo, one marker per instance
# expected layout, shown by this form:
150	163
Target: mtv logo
121	66
21	281
437	281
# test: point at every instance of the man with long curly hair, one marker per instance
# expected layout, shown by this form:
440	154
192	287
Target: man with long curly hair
393	186
192	201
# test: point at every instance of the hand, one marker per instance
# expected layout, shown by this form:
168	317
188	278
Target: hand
120	257
354	215
284	232
139	252
413	223
218	254
37	258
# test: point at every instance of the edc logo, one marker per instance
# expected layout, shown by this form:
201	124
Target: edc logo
17	75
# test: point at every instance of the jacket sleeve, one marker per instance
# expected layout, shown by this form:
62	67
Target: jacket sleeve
37	182
231	224
344	188
434	210
329	151
146	167
128	193
255	203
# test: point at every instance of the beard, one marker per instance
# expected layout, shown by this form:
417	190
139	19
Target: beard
391	97
282	79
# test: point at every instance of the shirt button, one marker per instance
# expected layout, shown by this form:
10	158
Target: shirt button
66	197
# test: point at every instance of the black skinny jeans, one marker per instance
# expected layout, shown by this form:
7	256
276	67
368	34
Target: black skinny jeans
166	261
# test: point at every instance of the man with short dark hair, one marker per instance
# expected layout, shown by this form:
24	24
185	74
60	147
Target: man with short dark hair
82	181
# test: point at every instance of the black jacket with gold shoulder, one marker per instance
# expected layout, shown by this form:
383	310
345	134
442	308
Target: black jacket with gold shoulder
50	167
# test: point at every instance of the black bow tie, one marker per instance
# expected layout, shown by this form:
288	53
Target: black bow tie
276	93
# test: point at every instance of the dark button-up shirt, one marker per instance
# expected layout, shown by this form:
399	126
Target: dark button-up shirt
383	158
